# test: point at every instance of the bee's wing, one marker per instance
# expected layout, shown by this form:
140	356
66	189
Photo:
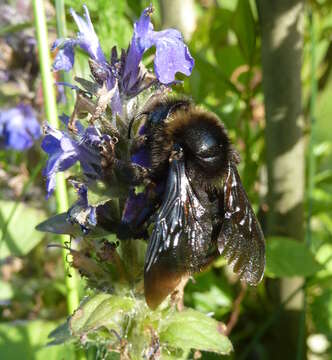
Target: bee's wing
180	243
241	239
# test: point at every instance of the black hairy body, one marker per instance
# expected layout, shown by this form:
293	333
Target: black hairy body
201	210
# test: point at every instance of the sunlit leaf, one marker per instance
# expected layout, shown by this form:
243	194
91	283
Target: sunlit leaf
244	27
20	236
191	329
210	293
286	258
322	201
101	310
228	4
6	291
324	177
321	311
27	340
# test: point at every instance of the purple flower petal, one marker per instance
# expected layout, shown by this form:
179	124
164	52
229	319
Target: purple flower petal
142	157
50	144
116	103
143	25
50	185
81	212
135	206
63	153
19	127
86	39
91	136
64	59
172	55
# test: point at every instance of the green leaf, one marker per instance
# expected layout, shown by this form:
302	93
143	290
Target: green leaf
58	224
191	329
20	236
27	340
229	58
286	258
321	311
6	290
227	4
323	177
244	27
322	201
60	335
219	28
209	294
101	310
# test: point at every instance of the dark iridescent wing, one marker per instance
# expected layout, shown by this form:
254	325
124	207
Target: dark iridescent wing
241	239
180	243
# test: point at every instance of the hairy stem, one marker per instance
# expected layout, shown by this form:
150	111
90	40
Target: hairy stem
52	118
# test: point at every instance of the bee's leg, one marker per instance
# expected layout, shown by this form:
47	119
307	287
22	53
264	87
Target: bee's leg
126	171
83	104
131	173
72	121
178	293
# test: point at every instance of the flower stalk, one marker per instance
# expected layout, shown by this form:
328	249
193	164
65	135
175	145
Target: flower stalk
52	117
110	217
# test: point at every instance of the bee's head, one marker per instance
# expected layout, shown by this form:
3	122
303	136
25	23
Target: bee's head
204	140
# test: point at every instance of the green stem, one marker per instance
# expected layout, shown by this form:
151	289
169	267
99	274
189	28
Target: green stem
311	156
52	117
311	173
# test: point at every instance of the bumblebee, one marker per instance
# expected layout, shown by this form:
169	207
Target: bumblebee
199	208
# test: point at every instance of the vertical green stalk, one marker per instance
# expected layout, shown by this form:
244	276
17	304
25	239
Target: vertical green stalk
311	156
311	169
52	117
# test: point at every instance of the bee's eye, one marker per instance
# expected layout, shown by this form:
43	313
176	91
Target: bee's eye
208	152
206	144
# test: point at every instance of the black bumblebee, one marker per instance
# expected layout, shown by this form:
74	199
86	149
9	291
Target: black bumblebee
199	209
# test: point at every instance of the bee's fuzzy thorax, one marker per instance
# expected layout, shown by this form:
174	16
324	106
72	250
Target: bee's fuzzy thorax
180	120
157	111
188	127
166	102
201	135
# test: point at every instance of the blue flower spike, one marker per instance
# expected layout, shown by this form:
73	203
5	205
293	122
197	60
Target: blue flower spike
118	80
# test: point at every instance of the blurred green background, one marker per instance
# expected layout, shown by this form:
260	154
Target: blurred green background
224	37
